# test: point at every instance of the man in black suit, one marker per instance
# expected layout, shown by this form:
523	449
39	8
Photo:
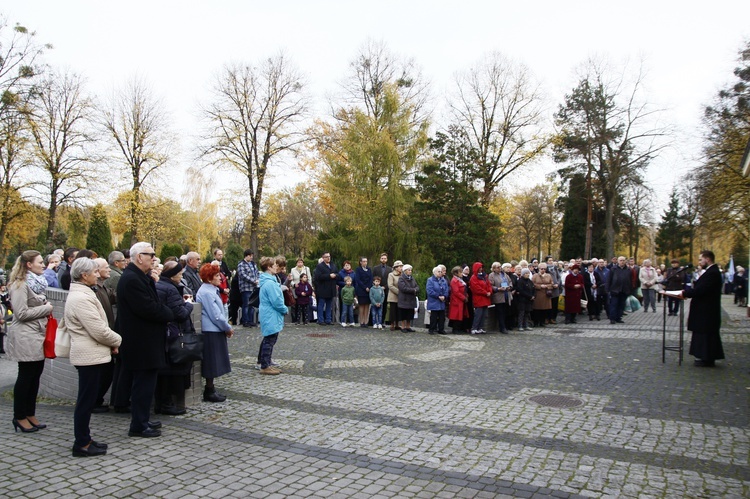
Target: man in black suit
142	323
619	285
705	313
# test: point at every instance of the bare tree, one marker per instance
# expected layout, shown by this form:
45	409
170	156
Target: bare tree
499	106
373	70
637	204
253	118
608	134
59	117
19	56
136	124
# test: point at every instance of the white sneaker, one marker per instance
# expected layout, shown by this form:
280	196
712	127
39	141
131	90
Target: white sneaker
375	326
380	326
474	331
481	331
351	324
343	324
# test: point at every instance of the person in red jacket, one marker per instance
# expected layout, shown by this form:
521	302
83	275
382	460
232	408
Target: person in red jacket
458	308
573	294
481	290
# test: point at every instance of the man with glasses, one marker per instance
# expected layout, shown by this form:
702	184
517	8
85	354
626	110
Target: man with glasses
325	277
117	264
142	322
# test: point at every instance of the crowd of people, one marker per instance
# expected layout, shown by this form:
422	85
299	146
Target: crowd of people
123	313
121	316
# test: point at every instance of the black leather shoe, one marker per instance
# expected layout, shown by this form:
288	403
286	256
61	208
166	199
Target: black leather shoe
172	411
704	363
213	396
92	450
148	433
100	409
101	445
154	425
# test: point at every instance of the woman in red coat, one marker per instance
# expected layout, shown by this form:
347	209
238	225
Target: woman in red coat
573	294
458	309
481	291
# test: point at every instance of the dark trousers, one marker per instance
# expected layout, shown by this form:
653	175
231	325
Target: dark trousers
617	305
501	309
301	313
266	349
673	304
437	321
89	381
234	307
248	312
107	375
141	395
122	383
553	311
27	388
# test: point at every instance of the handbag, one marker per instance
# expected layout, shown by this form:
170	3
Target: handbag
584	302
289	300
254	300
49	338
186	348
62	341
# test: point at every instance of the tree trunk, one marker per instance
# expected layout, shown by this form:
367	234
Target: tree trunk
51	215
609	224
135	201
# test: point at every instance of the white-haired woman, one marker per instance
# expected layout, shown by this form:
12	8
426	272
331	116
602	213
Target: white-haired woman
648	278
438	292
92	344
26	336
502	289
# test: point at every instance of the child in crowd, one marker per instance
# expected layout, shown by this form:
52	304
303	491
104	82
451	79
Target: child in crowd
377	297
304	292
347	301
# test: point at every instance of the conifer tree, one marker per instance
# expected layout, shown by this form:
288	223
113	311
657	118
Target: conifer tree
99	237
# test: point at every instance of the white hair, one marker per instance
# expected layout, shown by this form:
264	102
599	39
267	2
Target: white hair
138	248
82	266
436	270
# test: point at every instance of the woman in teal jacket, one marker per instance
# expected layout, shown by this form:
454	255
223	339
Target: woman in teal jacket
271	312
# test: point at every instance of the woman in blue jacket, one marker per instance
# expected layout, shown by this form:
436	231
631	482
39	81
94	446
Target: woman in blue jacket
271	311
438	292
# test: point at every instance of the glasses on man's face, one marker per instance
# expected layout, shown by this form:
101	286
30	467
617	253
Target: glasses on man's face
150	255
326	256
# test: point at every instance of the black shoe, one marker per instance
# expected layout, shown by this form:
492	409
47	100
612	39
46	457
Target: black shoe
430	332
101	445
92	450
213	396
442	332
147	433
100	409
704	363
154	425
172	411
612	322
122	410
620	321
17	426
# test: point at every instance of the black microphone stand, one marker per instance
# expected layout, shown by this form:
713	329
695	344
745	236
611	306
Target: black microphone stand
680	348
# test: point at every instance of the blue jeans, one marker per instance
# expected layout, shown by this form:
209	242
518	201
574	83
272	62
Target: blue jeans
248	312
325	310
347	313
377	315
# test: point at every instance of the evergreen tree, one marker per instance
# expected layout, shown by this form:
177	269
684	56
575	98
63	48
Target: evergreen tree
573	241
671	236
453	227
168	250
99	237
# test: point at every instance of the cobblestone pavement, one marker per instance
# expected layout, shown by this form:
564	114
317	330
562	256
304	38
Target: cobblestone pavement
586	409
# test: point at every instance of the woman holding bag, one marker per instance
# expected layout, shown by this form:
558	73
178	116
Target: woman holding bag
175	378
92	344
26	336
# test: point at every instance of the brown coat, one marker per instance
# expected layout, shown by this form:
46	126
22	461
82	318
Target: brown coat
29	325
541	300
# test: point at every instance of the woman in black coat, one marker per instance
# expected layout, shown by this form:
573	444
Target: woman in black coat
175	378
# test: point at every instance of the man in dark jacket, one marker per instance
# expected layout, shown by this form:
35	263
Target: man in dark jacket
142	323
705	313
619	285
674	282
191	271
325	276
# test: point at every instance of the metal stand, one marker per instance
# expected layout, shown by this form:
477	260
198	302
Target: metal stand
680	347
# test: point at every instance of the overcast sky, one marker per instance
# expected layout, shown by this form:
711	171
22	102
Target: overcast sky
689	48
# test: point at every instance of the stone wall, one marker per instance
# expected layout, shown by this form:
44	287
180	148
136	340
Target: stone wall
60	379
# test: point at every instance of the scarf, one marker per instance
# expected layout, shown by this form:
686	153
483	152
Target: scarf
37	283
